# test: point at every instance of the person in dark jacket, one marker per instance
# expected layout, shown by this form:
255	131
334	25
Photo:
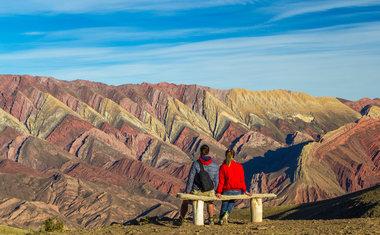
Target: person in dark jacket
231	182
191	187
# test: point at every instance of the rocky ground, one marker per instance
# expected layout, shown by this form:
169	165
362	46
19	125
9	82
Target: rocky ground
342	226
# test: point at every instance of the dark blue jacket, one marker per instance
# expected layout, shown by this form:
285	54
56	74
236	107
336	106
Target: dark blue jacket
212	169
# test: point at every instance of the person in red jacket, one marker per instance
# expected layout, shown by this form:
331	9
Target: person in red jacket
231	182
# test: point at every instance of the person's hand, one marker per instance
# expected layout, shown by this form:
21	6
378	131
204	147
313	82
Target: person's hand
218	195
248	193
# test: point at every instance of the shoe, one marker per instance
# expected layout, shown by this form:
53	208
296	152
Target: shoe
179	221
211	221
224	219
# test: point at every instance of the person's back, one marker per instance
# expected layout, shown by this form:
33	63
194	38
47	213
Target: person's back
231	177
209	166
194	187
231	182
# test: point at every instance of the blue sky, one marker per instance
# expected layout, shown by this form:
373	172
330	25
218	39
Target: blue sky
320	47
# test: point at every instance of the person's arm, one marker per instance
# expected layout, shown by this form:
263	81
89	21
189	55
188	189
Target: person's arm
242	179
221	180
216	178
190	181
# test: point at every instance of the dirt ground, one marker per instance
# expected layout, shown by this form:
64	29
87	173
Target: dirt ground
344	226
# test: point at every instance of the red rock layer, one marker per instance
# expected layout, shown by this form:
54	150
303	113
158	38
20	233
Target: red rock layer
12	149
232	133
146	174
94	174
311	193
68	130
138	99
254	144
180	172
6	136
19	97
100	135
275	183
360	104
358	149
347	160
189	141
11	167
191	95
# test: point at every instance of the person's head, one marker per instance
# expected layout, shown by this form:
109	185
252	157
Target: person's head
230	154
204	150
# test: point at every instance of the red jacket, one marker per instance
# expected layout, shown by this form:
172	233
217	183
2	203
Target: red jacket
231	177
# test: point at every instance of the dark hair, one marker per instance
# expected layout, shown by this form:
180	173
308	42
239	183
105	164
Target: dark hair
230	154
205	150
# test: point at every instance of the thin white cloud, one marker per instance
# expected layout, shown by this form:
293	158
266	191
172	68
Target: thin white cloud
290	8
125	34
88	6
56	53
340	61
33	33
348	37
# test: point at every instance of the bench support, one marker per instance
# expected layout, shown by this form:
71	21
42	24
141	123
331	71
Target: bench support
198	212
256	209
256	203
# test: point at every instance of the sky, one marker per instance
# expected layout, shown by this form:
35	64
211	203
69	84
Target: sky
320	47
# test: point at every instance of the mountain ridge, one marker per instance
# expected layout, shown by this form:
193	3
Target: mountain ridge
149	134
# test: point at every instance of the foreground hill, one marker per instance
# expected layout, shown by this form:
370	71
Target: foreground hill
361	204
93	154
356	213
342	226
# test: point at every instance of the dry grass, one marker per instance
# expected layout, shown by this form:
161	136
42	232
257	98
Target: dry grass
5	230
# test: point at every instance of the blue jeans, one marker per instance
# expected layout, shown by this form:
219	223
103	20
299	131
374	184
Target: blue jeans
227	205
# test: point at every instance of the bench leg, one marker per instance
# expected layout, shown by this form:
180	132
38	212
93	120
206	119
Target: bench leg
198	212
256	210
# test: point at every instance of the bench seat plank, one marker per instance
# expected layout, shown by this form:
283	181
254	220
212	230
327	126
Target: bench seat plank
185	196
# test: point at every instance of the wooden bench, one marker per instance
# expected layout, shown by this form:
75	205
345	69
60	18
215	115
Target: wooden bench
198	203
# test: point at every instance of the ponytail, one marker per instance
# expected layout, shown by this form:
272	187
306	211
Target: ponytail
230	154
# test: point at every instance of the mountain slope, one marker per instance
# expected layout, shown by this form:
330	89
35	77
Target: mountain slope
360	104
345	160
100	138
78	203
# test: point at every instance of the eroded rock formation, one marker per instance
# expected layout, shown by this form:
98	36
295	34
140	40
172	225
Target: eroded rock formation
93	154
345	160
